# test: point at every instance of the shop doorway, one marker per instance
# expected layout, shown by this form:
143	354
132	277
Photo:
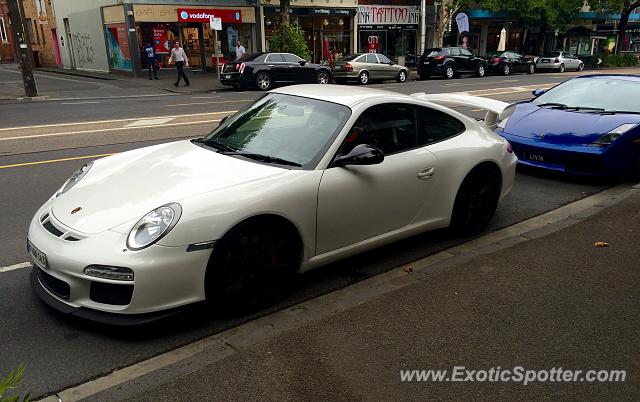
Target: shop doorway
191	36
56	47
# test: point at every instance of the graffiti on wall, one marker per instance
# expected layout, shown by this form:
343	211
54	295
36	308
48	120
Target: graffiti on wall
83	49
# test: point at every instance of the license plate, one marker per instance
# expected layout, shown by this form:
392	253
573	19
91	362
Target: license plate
38	257
337	67
426	62
545	61
534	157
227	77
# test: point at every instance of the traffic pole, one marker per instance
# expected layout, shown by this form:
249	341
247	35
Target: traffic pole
23	46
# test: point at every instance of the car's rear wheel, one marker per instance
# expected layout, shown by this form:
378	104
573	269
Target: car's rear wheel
506	70
402	76
449	72
476	201
363	78
481	71
561	68
253	264
532	69
322	77
263	81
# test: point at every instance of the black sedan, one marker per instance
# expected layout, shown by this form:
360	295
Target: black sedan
509	62
264	70
450	62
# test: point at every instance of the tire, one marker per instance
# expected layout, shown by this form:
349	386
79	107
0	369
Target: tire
532	69
561	68
323	77
263	81
449	72
481	70
581	67
506	70
363	78
476	201
402	76
253	265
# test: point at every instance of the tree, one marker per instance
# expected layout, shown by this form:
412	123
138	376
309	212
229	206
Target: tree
288	38
285	5
624	7
446	10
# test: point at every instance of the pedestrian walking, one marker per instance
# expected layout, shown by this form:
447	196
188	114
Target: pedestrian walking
180	57
152	61
240	51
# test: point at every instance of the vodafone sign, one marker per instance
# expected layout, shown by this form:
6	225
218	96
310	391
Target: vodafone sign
204	15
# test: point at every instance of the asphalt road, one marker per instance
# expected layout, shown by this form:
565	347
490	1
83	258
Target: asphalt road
35	161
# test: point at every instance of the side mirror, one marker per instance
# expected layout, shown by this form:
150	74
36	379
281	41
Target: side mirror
223	120
537	92
302	62
361	154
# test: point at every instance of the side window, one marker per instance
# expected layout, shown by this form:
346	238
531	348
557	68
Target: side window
275	58
291	58
465	52
389	127
384	59
517	55
371	58
454	51
434	126
361	59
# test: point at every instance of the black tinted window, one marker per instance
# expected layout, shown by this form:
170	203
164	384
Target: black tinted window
291	58
434	126
275	58
389	127
371	58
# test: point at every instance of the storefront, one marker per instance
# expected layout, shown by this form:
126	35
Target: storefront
389	30
162	25
328	31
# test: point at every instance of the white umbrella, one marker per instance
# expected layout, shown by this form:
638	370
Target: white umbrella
502	44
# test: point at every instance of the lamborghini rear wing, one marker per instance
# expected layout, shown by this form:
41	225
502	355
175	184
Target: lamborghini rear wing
496	110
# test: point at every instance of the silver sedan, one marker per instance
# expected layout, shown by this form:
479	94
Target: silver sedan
366	67
559	61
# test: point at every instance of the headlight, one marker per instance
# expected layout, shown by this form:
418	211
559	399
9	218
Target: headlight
153	226
612	135
76	177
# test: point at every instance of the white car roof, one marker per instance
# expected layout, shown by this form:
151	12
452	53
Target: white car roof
341	94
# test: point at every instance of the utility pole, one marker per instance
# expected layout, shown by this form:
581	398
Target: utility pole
23	46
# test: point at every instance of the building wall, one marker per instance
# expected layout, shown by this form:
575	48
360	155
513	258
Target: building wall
83	46
42	23
7	51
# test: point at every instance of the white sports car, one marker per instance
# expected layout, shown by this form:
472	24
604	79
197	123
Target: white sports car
304	176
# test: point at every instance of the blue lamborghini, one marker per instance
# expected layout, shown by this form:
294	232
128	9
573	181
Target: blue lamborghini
589	125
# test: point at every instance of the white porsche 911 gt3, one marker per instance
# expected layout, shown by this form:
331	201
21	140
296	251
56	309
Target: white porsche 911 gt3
304	176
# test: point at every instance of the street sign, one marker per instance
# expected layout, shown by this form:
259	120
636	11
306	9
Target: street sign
216	23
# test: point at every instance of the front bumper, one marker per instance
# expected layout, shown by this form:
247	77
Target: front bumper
165	278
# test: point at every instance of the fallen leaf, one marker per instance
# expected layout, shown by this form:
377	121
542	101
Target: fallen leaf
408	269
600	244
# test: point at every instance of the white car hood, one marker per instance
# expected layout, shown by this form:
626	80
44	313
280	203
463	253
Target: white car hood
127	186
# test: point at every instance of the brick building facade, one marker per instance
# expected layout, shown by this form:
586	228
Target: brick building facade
7	51
41	23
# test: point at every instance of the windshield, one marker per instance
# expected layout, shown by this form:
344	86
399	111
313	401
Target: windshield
284	127
609	94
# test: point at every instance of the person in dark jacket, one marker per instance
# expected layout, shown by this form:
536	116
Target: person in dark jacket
152	61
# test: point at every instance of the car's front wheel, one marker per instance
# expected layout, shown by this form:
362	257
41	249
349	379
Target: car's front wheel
363	78
476	201
253	264
481	70
402	76
263	81
506	70
322	77
561	68
581	67
532	69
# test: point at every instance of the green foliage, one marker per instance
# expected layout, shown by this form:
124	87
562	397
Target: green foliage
556	13
612	60
10	383
289	39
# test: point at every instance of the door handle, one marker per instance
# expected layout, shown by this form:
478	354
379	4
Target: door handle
426	173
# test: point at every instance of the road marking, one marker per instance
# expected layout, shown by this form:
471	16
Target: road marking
227	343
15	266
205	97
73	158
149	122
102	130
115	120
212	103
79	103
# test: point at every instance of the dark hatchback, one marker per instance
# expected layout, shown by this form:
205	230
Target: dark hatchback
265	70
450	62
509	62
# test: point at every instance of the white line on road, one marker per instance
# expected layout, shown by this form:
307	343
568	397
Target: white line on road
210	103
115	120
149	122
79	103
205	97
15	266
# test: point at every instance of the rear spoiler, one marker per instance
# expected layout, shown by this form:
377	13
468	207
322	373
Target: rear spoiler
493	107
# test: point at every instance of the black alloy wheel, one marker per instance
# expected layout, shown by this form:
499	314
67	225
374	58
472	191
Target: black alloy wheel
476	201
263	81
322	77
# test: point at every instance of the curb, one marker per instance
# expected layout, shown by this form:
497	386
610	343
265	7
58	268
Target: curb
131	380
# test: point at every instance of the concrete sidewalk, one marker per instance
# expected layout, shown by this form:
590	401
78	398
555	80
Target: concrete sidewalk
542	299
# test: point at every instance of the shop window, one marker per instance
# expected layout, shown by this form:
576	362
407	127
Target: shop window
3	31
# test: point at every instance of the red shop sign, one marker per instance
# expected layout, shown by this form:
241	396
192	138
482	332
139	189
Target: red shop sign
204	14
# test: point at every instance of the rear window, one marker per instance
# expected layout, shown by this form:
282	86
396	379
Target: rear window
250	56
350	57
551	54
433	52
